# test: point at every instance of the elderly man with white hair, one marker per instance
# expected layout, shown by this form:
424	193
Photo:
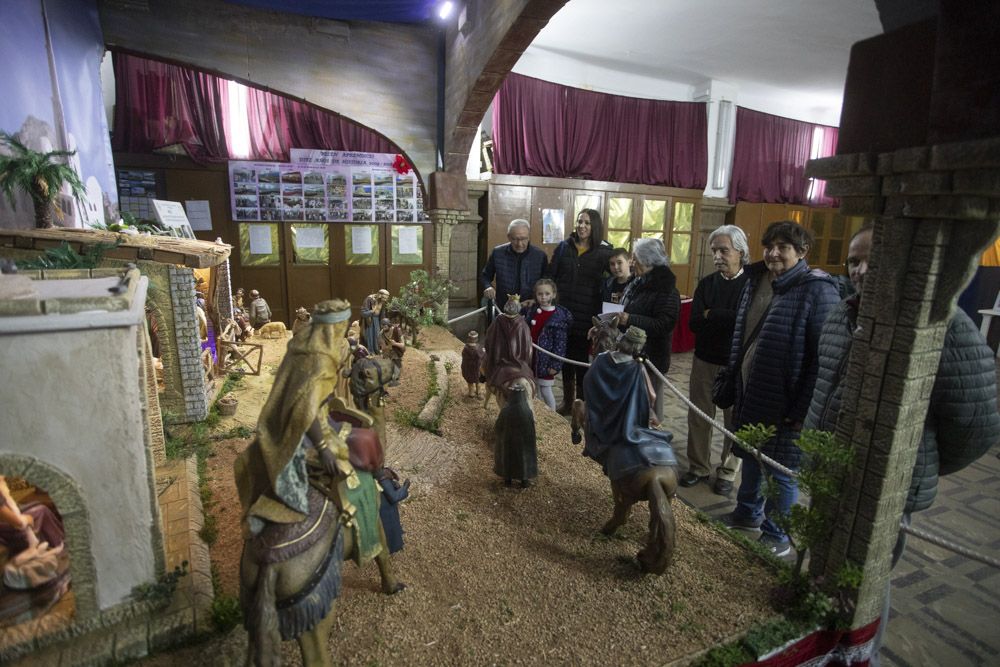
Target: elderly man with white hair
652	303
713	316
516	266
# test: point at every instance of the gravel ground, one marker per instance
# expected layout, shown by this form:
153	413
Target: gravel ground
497	575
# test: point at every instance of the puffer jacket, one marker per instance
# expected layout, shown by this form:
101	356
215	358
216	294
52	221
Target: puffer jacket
654	304
962	419
579	279
782	372
552	338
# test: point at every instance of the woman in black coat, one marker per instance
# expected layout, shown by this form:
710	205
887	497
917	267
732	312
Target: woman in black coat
652	303
578	266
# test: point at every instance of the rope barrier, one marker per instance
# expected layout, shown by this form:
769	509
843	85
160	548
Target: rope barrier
950	546
562	359
462	317
763	458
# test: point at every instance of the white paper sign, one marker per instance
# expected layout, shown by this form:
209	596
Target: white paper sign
309	237
361	240
608	307
260	240
408	241
199	214
171	215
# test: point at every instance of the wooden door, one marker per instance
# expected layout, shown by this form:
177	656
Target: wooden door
307	264
359	252
259	253
747	217
409	247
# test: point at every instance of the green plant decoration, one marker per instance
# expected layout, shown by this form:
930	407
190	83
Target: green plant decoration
41	175
65	257
422	301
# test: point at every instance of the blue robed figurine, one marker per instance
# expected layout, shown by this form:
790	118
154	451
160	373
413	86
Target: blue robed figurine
393	493
619	395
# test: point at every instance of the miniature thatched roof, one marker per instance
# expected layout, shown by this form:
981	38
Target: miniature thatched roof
164	249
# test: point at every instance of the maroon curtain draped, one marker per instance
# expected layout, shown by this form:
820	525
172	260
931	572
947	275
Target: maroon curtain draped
545	129
769	158
159	104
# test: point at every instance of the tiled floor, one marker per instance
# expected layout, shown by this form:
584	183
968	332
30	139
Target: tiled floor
945	607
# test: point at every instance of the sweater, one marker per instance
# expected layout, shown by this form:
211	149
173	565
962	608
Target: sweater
713	335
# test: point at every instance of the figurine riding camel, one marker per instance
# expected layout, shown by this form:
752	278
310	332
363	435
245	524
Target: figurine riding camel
308	504
638	460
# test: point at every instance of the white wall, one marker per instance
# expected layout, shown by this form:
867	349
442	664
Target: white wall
71	399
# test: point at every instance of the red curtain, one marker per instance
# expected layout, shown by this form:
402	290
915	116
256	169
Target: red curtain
158	104
769	159
545	129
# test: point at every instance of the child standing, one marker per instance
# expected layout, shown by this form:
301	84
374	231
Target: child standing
621	276
549	325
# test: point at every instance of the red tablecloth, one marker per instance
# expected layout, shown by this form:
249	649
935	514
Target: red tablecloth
683	338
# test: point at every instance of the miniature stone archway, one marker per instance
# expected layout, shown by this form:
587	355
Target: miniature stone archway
69	501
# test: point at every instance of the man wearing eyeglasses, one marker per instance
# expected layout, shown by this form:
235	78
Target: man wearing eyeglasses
962	421
516	266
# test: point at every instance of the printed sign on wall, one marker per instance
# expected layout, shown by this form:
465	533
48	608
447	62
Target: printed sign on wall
325	186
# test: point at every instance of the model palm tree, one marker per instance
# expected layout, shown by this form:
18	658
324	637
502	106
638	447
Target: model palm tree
41	175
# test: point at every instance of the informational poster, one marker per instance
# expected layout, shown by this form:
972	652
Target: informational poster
310	237
325	186
172	216
199	214
136	189
361	240
260	240
408	241
553	225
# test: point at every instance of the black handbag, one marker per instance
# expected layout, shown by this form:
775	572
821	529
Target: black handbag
724	385
724	389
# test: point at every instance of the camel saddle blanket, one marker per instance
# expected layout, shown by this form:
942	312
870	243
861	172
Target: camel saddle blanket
365	497
278	542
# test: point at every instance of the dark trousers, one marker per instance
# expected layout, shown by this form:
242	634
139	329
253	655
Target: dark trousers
577	348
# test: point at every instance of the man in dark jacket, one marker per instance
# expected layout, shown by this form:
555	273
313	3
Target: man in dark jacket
516	266
713	316
962	420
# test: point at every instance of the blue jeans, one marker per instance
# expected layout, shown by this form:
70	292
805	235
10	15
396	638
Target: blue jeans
751	504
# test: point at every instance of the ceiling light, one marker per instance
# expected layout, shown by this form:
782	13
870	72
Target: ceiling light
445	9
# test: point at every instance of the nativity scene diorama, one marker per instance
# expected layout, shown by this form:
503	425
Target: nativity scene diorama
339	458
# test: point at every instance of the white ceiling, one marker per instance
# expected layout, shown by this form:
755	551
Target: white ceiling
787	57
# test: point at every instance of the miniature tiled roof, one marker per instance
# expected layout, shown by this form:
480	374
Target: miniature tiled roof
163	249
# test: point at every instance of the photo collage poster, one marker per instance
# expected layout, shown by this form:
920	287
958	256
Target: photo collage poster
325	186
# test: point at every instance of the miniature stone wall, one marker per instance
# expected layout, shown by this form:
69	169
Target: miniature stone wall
224	290
185	331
